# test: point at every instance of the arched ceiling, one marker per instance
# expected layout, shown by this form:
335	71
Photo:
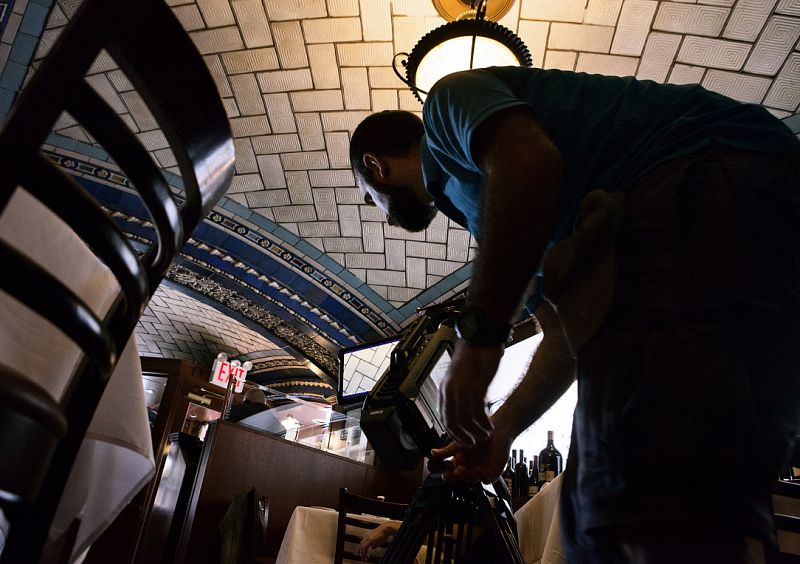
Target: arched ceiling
292	246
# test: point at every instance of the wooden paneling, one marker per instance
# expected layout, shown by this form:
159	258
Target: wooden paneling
237	458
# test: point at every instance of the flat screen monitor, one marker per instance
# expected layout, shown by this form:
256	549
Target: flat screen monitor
427	401
360	367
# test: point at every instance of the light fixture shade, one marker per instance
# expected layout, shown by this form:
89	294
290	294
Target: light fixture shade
452	10
449	48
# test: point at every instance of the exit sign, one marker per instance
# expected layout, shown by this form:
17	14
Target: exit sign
222	371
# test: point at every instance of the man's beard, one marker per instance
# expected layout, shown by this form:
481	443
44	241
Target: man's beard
409	213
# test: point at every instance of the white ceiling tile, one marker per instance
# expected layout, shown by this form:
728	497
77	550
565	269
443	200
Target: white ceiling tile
725	3
253	22
290	44
442	267
350	222
372	234
384	77
245	183
231	109
216	13
458	246
395	254
393	232
414	8
714	53
602	12
309	127
252	60
102	63
426	250
563	60
342	121
408	31
400	296
684	74
384	100
433	280
299	187
355	89
325	204
139	111
534	35
390	277
153	140
342	245
318	229
268	199
554	10
280	114
219	75
659	54
747	19
272	144
611	65
408	102
351	195
247	94
338	145
298	214
304	161
217	40
376	18
295	9
245	157
578	37
437	230
324	68
364	54
332	30
332	178
633	27
371	213
416	273
249	126
785	91
340	8
779	37
271	171
189	16
737	86
690	19
365	260
317	100
285	81
789	7
120	81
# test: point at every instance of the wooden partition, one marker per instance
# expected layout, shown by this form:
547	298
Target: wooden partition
236	458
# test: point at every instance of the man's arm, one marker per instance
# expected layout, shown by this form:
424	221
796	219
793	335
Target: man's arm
522	171
549	375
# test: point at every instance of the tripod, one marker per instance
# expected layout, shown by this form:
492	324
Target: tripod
463	523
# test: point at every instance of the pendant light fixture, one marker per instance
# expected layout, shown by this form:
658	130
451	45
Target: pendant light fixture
471	40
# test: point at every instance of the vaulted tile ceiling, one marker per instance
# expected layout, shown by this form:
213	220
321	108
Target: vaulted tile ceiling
292	247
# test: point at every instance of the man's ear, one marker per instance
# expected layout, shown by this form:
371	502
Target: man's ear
376	164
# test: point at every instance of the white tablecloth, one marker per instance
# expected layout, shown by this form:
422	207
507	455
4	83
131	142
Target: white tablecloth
539	527
310	537
116	458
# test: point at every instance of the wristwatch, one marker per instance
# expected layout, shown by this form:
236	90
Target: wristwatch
476	329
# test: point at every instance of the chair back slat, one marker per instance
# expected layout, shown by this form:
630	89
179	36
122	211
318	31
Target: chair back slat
352	528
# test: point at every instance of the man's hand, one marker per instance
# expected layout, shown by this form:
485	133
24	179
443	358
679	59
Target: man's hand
484	462
462	396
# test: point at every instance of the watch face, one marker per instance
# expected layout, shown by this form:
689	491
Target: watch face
473	328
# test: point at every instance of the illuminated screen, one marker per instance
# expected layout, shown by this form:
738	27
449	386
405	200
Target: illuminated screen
428	400
361	367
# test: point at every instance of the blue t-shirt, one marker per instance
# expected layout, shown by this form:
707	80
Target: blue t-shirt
610	131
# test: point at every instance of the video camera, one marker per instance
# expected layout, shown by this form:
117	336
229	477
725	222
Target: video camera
401	415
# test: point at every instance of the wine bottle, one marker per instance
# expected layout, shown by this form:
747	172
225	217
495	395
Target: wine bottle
550	461
521	477
508	476
533	483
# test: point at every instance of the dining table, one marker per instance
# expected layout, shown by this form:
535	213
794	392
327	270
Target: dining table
116	457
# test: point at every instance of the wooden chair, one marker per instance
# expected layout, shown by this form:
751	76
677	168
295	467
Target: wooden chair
351	528
42	434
